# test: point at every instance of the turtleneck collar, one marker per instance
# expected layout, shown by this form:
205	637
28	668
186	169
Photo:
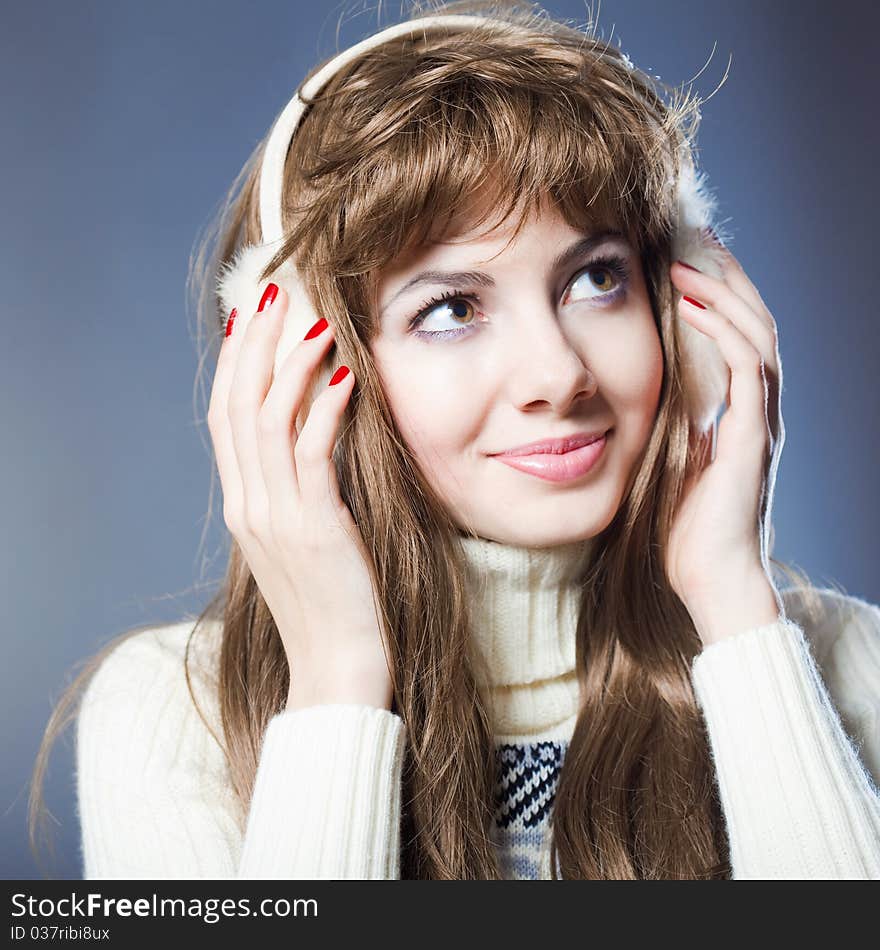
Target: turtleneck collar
525	603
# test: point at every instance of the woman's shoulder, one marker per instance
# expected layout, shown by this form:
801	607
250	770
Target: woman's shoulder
142	685
843	634
148	657
839	625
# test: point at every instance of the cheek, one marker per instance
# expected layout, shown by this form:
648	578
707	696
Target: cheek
433	404
632	371
648	375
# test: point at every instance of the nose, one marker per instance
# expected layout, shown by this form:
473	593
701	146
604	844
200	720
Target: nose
546	369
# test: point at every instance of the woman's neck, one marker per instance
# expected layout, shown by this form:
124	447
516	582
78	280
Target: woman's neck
525	603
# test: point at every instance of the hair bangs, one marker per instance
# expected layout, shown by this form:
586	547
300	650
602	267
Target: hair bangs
456	139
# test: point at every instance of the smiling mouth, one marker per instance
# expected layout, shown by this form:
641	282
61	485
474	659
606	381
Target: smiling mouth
556	446
557	466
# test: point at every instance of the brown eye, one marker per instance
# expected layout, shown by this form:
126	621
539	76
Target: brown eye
607	278
602	277
459	309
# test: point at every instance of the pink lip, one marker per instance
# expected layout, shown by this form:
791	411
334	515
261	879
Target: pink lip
559	466
555	446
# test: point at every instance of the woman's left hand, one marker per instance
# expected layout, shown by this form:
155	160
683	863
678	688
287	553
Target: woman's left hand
718	553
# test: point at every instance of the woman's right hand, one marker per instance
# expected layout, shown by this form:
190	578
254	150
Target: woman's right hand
281	502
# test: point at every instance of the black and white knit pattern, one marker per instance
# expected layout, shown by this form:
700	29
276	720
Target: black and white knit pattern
524	793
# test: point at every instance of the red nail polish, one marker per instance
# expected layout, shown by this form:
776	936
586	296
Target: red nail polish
231	320
691	300
689	266
317	329
339	375
269	295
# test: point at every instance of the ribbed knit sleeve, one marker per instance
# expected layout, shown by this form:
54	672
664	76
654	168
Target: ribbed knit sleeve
155	798
335	772
798	800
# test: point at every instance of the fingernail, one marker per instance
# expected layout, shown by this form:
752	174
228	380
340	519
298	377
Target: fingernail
689	266
339	375
695	303
317	329
231	320
269	295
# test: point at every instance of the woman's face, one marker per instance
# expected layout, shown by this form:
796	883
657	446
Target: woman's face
541	340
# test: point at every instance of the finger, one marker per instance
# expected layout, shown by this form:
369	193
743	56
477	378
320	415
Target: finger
218	419
736	276
716	293
745	420
721	299
315	469
250	383
280	410
740	282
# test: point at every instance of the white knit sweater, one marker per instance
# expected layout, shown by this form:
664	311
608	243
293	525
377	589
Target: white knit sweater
791	711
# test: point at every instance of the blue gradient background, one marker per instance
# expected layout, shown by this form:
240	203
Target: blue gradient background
123	125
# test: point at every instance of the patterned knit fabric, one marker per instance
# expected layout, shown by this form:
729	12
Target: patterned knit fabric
523	805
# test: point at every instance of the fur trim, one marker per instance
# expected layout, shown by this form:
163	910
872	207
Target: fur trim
239	286
705	373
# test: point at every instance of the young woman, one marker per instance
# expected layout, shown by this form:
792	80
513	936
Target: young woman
500	602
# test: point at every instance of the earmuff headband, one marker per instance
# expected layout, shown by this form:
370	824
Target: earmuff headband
275	154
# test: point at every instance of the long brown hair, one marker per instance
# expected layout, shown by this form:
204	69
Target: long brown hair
391	150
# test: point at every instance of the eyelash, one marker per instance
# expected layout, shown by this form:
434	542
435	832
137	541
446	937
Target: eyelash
615	264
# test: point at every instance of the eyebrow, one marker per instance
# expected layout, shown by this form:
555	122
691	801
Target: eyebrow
577	250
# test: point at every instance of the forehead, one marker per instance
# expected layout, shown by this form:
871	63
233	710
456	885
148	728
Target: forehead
481	239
